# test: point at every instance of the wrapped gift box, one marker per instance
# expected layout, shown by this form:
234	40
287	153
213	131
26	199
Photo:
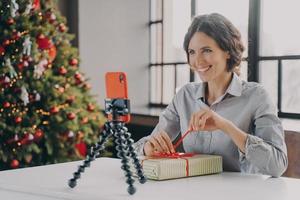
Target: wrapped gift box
170	168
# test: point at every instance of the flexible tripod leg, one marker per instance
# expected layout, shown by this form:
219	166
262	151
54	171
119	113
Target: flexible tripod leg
95	151
120	143
133	155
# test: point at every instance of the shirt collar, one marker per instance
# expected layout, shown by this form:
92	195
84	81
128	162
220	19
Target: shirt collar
235	87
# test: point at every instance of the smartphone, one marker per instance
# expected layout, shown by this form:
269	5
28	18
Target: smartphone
116	88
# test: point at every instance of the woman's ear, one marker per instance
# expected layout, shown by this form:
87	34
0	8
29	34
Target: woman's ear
227	54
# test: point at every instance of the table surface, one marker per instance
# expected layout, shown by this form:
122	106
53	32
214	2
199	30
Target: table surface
105	180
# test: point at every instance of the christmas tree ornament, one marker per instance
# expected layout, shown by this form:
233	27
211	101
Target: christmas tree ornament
24	96
73	62
70	134
12	72
10	21
14	7
14	164
6	104
54	110
50	16
16	35
52	53
62	27
43	42
37	96
71	116
84	120
2	51
90	107
28	8
18	119
22	64
62	70
81	149
40	68
27	46
36	4
6	42
28	158
38	134
61	90
71	99
77	75
87	86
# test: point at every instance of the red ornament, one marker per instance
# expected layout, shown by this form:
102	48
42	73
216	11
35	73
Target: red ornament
81	149
90	107
84	120
22	64
77	75
36	5
2	51
61	89
71	99
6	42
87	86
78	81
16	35
6	104
18	119
10	21
62	27
38	134
43	42
71	116
73	62
54	110
52	53
62	71
14	163
50	16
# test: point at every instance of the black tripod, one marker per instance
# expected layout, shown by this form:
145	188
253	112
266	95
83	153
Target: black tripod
116	109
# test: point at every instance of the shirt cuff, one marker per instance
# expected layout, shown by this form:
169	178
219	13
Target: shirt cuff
139	146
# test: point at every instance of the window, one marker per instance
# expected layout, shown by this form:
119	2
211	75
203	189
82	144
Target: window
272	55
279	55
169	22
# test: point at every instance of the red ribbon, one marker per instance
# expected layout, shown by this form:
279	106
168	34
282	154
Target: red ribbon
181	138
175	155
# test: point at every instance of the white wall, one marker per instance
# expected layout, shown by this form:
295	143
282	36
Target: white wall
114	36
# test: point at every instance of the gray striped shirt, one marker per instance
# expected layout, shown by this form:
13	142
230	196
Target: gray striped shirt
249	107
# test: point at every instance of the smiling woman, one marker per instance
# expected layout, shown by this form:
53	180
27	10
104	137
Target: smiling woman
227	116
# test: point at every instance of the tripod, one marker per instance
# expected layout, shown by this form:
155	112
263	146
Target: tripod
117	110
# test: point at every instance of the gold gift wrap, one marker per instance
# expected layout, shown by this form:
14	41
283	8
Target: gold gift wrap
170	168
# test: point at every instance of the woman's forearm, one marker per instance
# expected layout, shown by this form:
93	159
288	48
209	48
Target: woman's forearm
238	136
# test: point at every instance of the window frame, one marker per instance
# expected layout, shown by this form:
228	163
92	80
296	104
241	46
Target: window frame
253	59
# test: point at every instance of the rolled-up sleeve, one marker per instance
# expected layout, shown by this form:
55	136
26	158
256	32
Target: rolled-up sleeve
265	147
168	121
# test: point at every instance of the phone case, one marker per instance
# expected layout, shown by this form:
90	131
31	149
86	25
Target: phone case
116	88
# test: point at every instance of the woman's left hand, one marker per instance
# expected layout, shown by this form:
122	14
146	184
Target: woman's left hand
206	120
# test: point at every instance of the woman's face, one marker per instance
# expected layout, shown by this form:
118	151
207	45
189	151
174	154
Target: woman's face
206	58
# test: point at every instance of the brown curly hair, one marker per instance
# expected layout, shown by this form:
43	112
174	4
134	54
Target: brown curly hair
222	31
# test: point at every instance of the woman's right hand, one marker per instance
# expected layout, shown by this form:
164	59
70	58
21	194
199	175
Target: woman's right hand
159	143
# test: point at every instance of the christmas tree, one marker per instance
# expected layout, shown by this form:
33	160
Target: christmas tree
47	114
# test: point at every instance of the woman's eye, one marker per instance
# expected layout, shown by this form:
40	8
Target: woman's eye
207	50
191	52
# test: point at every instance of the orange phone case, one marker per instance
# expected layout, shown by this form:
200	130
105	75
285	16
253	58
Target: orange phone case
116	85
116	88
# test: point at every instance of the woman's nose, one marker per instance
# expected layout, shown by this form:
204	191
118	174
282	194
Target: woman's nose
199	61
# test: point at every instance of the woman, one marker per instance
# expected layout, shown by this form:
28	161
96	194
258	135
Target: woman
228	117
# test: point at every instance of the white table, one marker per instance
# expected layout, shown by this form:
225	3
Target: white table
105	180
